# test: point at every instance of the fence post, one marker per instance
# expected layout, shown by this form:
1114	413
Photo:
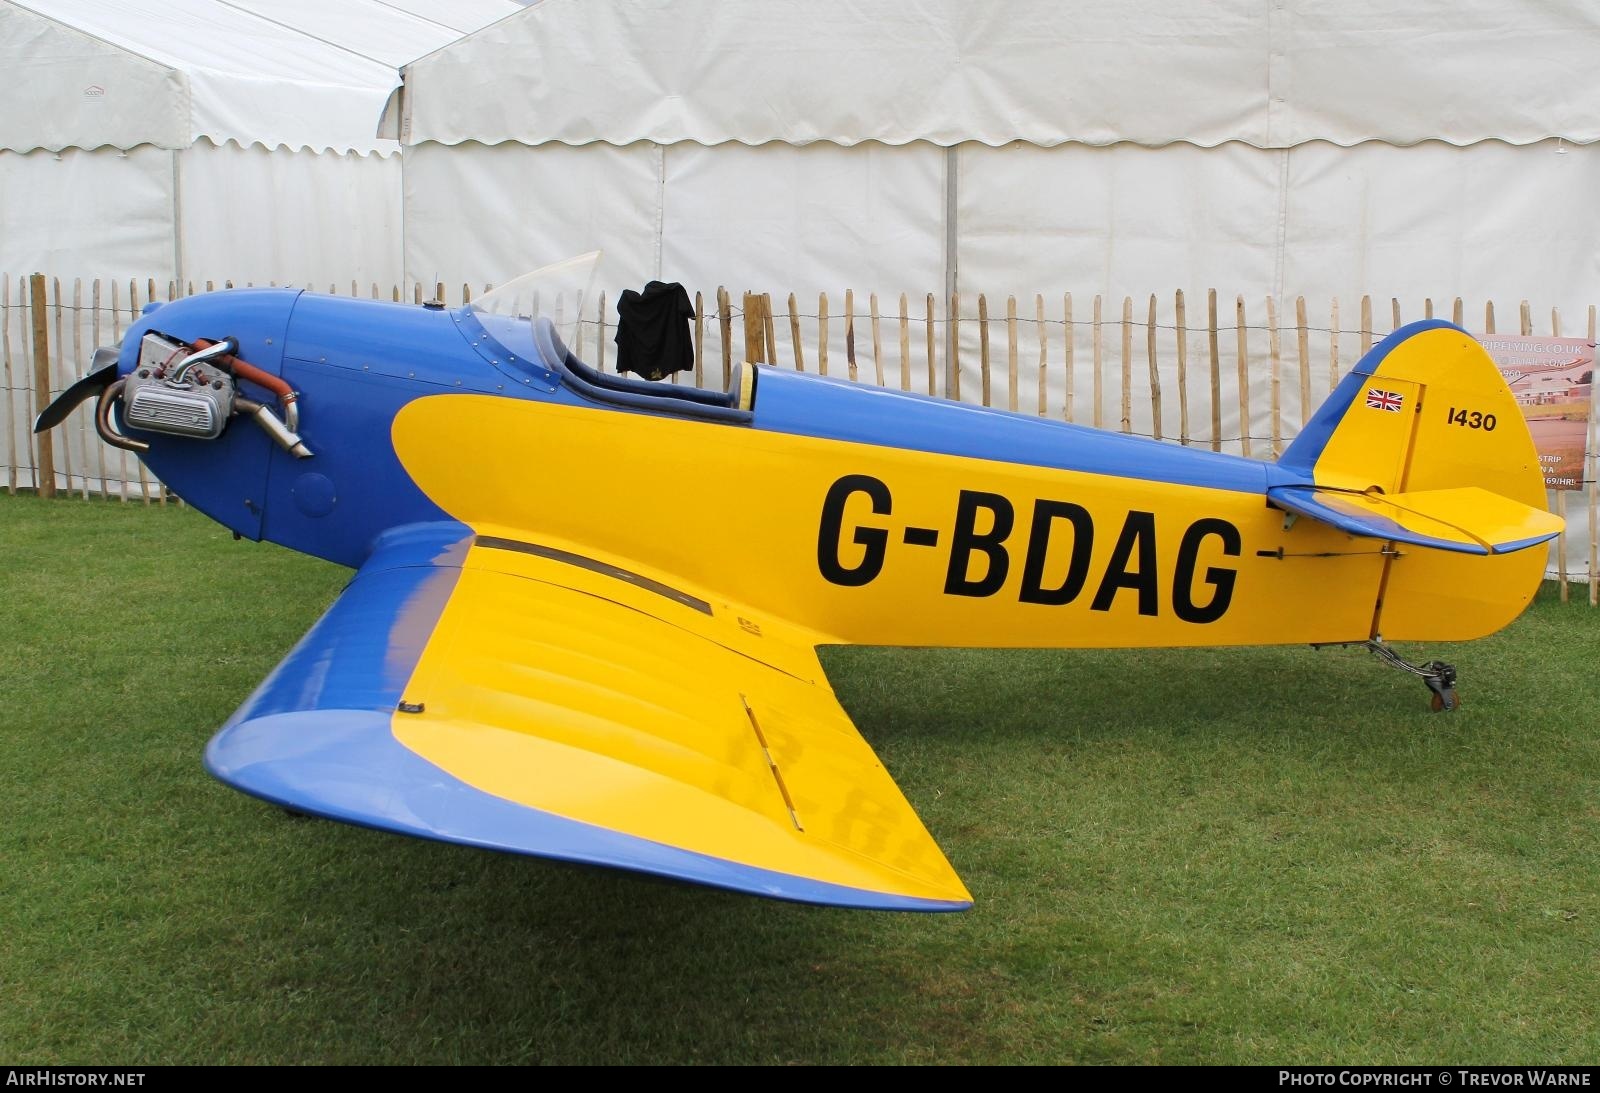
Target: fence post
1044	354
64	379
699	339
794	335
138	464
1244	379
1333	345
1275	354
983	346
822	333
46	463
850	332
1594	485
1181	318
755	329
116	336
771	332
877	340
1011	353
1302	336
1098	346
100	449
1216	370
1561	495
5	356
1155	373
952	387
725	322
77	359
1127	364
905	344
1068	353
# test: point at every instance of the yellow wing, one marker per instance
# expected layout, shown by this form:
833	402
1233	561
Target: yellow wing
567	706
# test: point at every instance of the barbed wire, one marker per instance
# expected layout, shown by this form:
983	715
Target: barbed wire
865	317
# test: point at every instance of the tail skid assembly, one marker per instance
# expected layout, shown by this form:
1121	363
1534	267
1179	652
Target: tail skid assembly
1388	458
1439	677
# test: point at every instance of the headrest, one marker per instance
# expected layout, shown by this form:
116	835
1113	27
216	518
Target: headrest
552	350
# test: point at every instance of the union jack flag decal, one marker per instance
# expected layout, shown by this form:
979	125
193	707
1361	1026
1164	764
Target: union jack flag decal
1385	400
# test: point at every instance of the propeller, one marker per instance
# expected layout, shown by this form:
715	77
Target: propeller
102	371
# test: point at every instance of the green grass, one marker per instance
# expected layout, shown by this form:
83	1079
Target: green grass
1207	856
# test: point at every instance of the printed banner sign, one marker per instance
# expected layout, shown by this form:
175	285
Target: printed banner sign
1553	381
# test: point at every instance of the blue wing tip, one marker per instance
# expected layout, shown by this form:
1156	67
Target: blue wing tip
347	765
1524	544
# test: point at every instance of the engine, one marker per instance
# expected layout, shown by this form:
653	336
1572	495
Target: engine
169	393
192	390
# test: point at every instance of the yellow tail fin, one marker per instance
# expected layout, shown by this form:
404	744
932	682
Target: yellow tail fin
1424	445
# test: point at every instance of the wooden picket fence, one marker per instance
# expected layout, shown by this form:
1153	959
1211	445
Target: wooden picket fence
1239	378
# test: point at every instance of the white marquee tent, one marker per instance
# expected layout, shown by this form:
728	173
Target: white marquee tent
208	139
1294	148
1437	149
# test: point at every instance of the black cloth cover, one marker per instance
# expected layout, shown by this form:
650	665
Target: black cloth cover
652	335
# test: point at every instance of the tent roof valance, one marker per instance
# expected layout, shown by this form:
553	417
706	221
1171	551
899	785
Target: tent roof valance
1043	72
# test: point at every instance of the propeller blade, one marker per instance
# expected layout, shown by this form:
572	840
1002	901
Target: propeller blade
82	391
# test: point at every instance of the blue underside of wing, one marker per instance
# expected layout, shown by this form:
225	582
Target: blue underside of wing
347	765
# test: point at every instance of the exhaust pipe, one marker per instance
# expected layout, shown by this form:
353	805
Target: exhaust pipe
225	354
281	434
105	420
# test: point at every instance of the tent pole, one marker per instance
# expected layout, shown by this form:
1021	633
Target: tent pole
661	204
177	222
950	288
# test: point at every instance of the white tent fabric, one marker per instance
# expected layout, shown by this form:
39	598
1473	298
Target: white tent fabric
495	213
1489	222
313	219
461	16
68	89
1041	71
297	73
377	29
76	213
248	79
774	217
261	114
1485	222
1295	148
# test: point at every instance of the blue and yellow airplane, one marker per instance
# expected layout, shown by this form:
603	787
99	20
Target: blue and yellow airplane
585	610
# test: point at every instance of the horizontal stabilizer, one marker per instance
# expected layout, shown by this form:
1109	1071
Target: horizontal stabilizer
1466	520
